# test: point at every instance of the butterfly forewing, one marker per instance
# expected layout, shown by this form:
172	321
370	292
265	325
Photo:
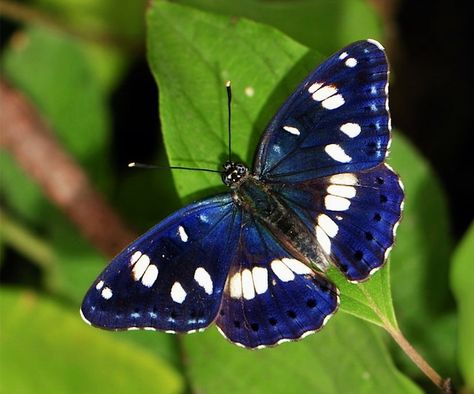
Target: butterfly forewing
336	121
173	276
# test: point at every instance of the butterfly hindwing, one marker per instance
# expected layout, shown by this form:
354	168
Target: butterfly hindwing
336	121
173	276
270	297
355	216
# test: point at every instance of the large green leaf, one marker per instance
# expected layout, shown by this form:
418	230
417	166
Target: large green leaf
191	62
47	349
192	54
462	282
324	24
348	356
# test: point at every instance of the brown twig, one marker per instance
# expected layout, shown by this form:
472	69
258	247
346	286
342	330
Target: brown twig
30	141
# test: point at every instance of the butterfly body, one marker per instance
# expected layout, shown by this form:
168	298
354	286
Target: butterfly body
253	259
258	199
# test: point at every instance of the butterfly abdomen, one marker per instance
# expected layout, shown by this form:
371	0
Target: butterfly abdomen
267	208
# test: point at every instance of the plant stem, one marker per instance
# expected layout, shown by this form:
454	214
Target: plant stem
416	357
34	248
443	384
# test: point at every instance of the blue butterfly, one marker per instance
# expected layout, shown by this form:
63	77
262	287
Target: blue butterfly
252	259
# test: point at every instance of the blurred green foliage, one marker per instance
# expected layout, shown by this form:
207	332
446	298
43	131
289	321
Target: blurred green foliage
192	49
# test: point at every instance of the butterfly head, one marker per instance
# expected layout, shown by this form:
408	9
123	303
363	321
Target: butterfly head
233	173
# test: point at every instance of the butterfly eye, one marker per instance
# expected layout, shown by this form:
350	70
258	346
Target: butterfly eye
241	169
228	165
233	173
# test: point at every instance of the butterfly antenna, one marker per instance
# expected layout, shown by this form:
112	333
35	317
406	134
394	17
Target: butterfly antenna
149	166
229	111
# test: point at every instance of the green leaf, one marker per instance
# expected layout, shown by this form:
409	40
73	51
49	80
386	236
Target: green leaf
326	25
65	91
424	224
191	62
462	282
348	356
371	300
420	260
47	349
109	36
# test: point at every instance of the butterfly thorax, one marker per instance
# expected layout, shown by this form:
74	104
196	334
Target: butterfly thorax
267	207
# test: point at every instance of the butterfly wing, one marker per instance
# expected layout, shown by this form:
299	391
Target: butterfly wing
323	153
354	215
270	297
336	121
173	276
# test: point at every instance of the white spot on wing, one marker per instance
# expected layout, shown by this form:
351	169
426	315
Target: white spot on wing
336	203
260	279
296	266
291	130
248	290
282	271
351	129
333	102
315	86
106	293
135	257
323	93
177	293
202	277
351	62
99	285
337	153
140	267
182	234
323	240
235	285
150	275
344	179
342	191
343	55
328	225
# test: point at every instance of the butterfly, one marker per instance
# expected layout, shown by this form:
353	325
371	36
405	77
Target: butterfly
253	259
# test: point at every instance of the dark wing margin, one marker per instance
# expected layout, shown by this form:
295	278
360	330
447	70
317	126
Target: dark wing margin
336	121
172	278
